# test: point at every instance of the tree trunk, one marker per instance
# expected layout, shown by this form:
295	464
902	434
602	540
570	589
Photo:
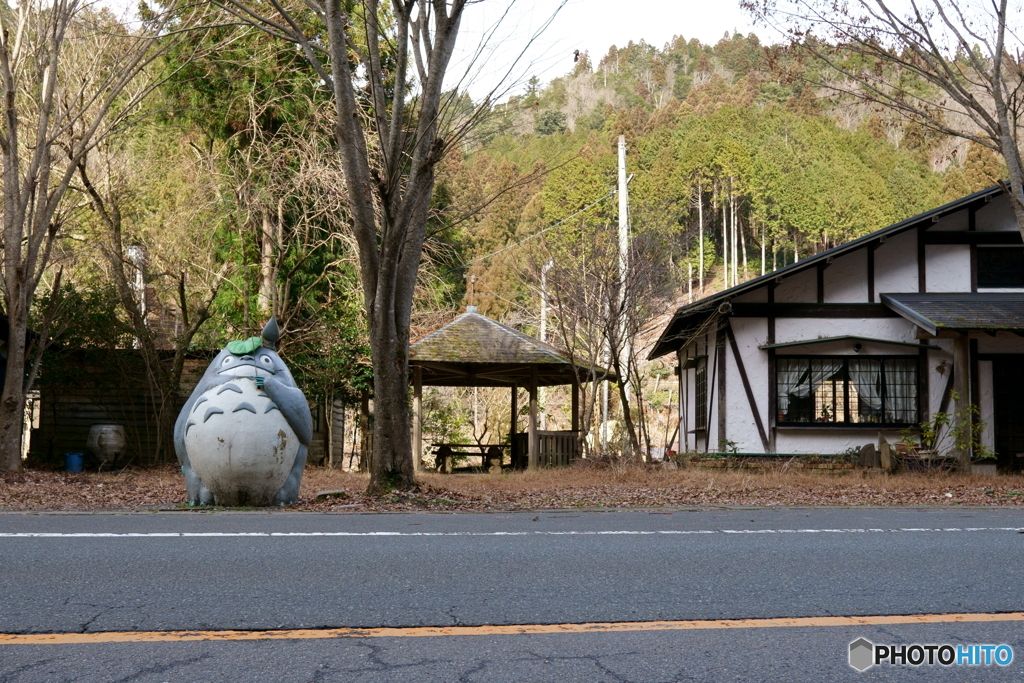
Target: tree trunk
627	410
365	433
265	298
392	468
12	400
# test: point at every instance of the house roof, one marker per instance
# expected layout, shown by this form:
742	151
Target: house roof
691	317
962	311
474	350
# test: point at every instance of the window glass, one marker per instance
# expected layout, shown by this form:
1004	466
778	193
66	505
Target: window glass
1000	267
846	390
794	400
900	390
866	378
701	390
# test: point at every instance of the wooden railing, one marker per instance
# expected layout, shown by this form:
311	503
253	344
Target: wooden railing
557	449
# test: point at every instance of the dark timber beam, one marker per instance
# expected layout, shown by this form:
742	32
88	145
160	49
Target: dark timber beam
811	310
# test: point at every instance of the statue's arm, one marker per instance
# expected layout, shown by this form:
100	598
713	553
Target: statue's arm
293	405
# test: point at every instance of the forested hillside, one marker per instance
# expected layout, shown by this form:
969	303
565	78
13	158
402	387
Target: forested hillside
225	202
717	136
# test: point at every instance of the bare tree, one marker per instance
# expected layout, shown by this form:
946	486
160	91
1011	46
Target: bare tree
70	76
577	287
954	67
601	313
179	254
384	64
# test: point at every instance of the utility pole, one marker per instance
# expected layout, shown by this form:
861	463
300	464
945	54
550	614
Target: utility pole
623	275
700	233
624	344
623	212
544	334
544	299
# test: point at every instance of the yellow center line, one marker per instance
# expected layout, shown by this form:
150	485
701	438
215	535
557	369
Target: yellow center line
493	630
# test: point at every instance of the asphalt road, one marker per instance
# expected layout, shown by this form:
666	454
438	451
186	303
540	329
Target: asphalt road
397	570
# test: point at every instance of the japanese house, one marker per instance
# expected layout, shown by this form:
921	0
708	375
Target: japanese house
867	339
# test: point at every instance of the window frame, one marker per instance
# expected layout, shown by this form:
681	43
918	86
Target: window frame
700	395
916	359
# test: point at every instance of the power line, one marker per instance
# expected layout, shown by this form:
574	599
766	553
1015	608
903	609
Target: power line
541	232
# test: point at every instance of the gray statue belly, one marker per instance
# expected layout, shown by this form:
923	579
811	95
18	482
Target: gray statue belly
239	443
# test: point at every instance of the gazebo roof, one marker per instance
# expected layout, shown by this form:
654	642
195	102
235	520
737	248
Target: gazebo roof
475	351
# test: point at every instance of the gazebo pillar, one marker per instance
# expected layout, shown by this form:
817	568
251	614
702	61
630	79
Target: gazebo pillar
514	422
575	404
534	447
417	418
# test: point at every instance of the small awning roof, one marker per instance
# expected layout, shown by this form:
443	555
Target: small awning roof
475	351
961	312
844	338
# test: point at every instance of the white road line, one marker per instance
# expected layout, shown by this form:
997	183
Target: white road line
358	534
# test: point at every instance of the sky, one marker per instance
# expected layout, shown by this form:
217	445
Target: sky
584	25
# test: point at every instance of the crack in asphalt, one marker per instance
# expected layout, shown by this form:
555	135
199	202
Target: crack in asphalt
379	665
593	659
25	668
160	668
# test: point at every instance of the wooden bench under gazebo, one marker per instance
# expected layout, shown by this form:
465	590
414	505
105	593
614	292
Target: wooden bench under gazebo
475	351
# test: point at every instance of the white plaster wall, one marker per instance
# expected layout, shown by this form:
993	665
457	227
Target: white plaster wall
800	329
936	380
829	441
846	279
741	427
798	288
947	267
953	222
759	296
997	215
986	404
896	264
712	432
686	409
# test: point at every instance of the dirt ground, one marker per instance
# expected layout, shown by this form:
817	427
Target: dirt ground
163	488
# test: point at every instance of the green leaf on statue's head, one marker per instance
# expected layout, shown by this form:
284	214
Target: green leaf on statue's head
244	346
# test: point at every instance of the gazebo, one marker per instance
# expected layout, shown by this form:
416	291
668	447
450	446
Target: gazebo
475	351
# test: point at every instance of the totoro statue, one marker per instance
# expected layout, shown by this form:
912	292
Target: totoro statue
243	434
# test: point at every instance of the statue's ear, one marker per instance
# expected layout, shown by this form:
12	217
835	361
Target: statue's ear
271	333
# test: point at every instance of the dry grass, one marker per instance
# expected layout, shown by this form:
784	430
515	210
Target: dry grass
612	487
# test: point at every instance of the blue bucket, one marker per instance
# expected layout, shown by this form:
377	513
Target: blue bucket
73	462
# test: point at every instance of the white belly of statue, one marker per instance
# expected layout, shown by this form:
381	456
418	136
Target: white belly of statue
239	443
